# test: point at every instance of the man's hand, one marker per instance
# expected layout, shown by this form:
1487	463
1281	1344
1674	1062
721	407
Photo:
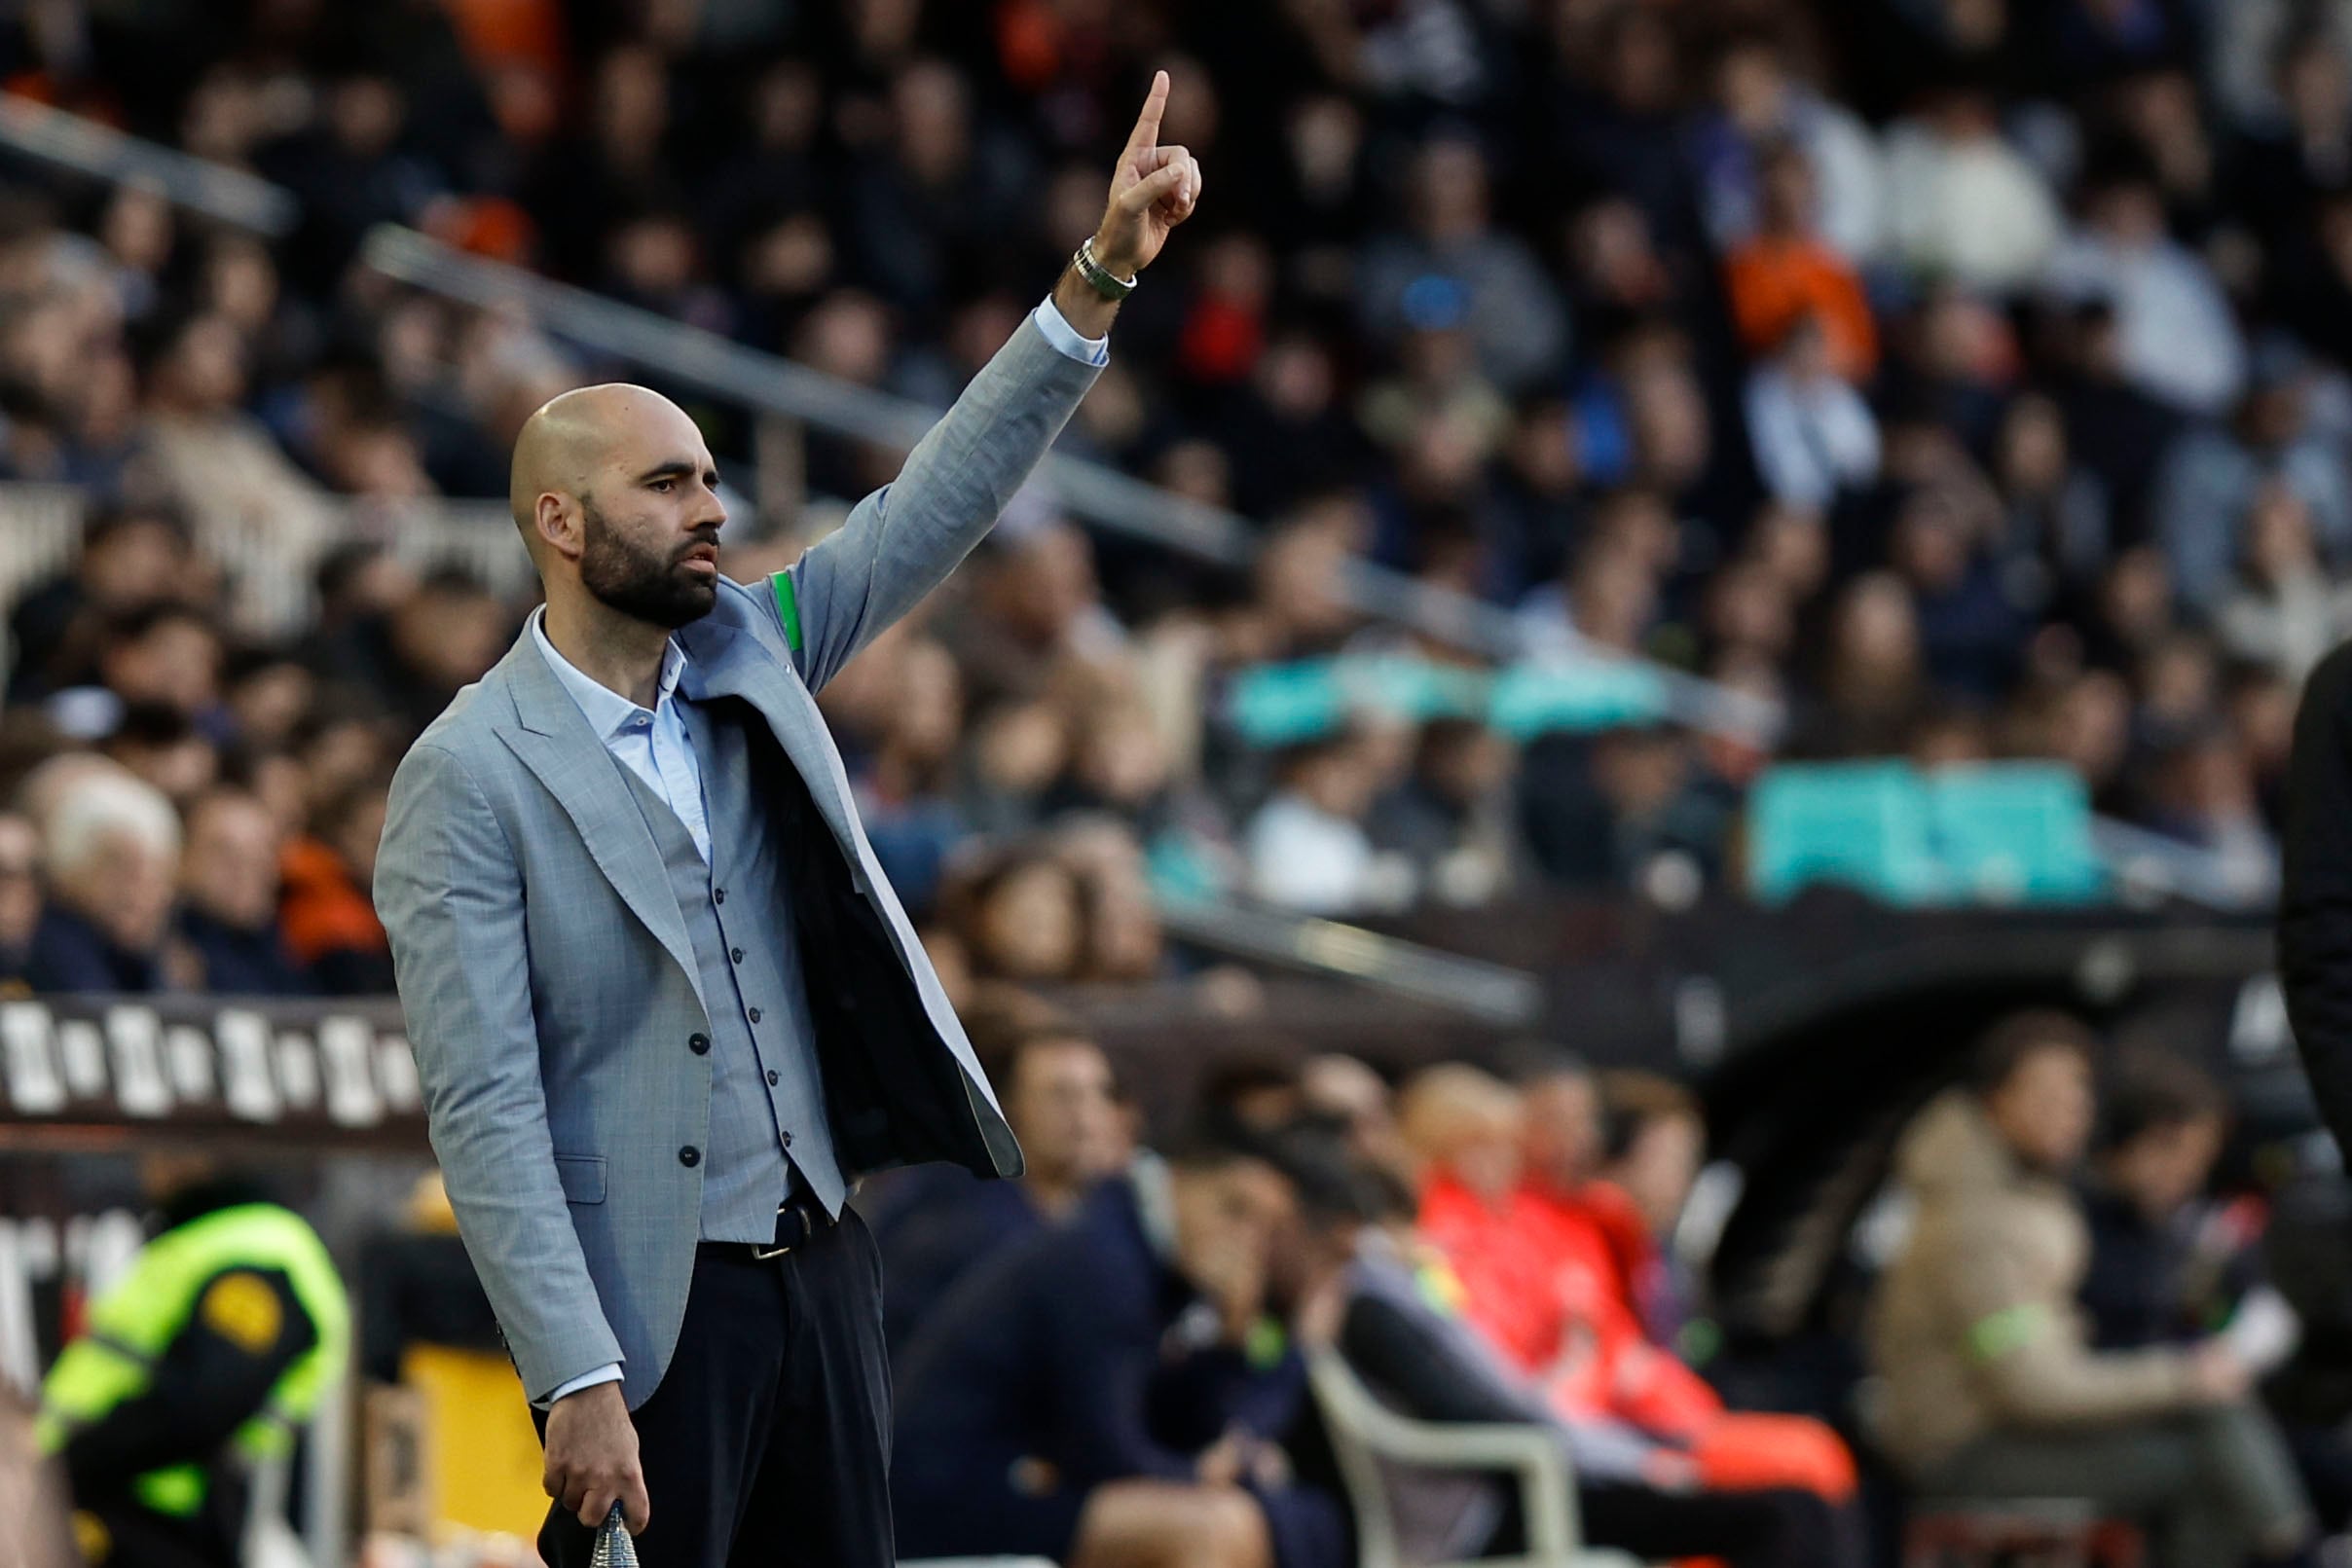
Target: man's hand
1241	1457
1152	190
2218	1374
592	1458
1221	1463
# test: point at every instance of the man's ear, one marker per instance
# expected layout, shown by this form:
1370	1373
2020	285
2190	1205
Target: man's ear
558	523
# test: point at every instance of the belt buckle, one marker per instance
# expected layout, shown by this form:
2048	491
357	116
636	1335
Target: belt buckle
764	1254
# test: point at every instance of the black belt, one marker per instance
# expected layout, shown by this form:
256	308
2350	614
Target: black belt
800	1220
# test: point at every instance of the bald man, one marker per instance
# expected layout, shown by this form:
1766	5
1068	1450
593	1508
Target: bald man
664	1003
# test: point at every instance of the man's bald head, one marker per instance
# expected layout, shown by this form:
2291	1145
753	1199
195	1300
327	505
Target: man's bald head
572	435
616	496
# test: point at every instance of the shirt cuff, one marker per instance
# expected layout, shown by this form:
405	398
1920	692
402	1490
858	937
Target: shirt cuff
610	1372
1058	331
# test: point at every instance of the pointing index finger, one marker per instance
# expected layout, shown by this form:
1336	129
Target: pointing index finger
1147	124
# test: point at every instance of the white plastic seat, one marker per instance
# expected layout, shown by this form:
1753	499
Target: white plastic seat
1364	1432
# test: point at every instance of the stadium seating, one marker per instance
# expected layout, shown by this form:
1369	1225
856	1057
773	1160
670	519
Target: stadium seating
1994	833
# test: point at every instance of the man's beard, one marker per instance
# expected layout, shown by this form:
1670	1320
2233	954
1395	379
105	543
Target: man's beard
642	584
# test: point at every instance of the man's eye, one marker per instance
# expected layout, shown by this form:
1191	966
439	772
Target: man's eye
664	486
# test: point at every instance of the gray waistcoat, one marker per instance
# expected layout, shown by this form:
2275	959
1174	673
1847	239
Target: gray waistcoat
767	1101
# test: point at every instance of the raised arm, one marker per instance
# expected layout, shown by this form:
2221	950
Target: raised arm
451	896
901	541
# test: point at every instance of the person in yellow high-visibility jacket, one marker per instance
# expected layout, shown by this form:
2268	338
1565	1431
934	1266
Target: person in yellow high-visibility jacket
198	1365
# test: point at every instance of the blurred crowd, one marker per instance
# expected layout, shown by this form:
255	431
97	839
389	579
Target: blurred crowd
1971	377
1126	1355
1966	376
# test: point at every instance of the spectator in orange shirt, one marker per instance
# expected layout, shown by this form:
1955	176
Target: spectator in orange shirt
327	909
1463	1127
1498	1196
1579	1221
1788	273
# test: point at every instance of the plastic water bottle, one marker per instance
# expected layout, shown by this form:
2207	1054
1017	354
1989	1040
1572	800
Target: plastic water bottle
613	1548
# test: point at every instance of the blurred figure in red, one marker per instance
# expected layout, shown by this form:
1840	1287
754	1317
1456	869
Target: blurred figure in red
1536	1279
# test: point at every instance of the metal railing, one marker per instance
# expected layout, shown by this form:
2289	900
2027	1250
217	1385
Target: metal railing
690	356
1310	945
269	568
2148	866
773	385
270	565
225	195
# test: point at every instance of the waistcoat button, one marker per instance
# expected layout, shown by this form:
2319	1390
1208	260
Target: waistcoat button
689	1157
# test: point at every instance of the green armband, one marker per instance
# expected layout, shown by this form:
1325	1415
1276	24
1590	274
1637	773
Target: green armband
788	607
1265	1343
2011	1328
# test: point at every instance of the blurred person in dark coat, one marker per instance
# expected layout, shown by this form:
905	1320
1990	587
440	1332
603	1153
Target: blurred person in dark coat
228	914
161	654
162	745
2152	1278
2170	1262
1514	317
129	556
443	637
359	586
111	852
1033	1412
1453	816
1058	1095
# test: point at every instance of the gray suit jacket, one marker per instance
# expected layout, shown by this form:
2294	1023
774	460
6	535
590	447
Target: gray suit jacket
545	969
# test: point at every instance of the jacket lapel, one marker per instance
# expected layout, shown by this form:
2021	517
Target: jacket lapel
732	661
554	740
721	662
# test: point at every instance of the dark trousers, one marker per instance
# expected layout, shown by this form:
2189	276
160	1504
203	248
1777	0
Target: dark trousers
1773	1529
2216	1484
767	1441
124	1535
117	1531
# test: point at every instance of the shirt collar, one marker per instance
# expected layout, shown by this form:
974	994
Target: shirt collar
607	712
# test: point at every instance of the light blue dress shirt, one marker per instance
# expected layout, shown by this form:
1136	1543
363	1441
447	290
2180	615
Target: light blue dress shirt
1058	331
653	744
650	742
